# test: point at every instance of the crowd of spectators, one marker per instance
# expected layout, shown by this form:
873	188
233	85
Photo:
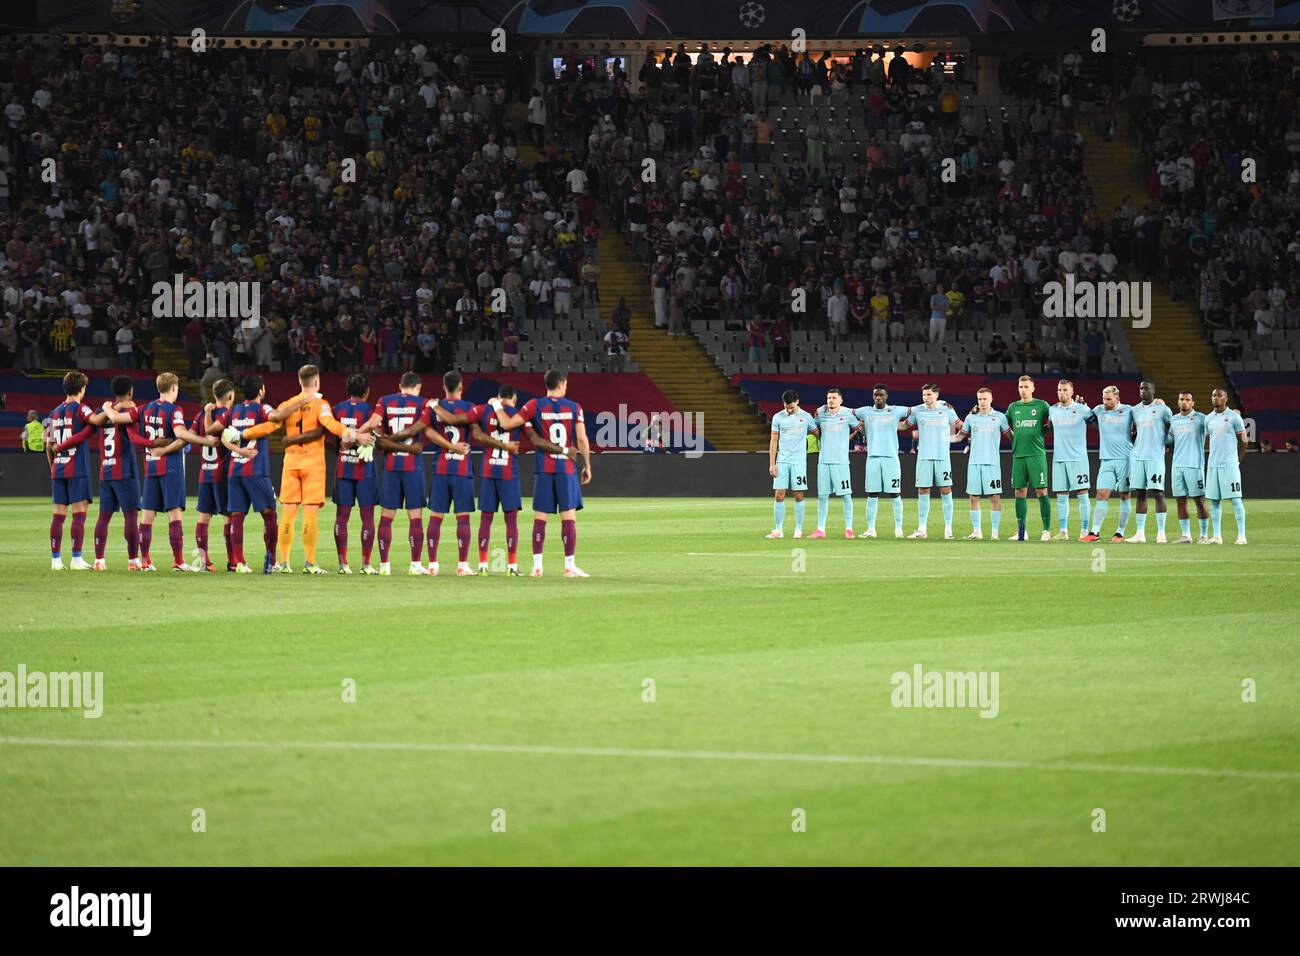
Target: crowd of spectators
378	197
1222	217
866	232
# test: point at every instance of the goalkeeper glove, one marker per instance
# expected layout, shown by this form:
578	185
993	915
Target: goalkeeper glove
366	452
232	434
496	403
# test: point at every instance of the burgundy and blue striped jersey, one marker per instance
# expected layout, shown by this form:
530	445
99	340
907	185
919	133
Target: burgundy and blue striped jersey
65	421
246	415
352	414
159	419
116	453
555	419
497	462
212	458
399	412
449	462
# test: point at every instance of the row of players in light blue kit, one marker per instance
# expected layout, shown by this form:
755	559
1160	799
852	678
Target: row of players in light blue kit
1133	443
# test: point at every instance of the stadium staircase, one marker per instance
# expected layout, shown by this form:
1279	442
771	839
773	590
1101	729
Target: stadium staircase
679	366
1172	351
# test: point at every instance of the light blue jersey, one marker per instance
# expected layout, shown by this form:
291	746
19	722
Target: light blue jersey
935	426
985	431
1152	422
792	432
835	429
1070	431
1223	429
882	428
1115	426
1187	432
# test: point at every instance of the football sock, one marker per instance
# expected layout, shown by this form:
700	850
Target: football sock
1239	512
512	536
569	532
945	500
1099	514
1204	524
778	513
146	539
848	512
230	547
101	533
823	506
873	505
922	510
341	516
1161	516
368	532
176	538
385	537
286	532
1022	512
539	536
896	503
433	534
995	520
415	538
310	533
201	539
1045	512
463	538
56	535
799	507
484	534
975	520
269	530
78	532
1125	508
1063	511
1216	517
237	536
1085	509
131	531
1142	522
1185	526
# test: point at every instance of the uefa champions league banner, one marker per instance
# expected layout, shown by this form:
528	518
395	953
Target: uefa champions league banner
654	19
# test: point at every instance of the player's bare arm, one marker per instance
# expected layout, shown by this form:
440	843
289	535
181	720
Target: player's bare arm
459	448
548	446
310	435
449	418
584	449
771	456
509	423
194	438
484	438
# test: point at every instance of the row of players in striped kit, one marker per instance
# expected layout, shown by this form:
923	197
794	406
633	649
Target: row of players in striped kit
234	475
1133	440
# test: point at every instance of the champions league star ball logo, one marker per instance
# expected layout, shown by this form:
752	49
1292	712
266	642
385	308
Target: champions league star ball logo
1126	11
752	15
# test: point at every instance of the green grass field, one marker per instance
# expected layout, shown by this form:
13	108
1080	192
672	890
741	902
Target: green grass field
1119	689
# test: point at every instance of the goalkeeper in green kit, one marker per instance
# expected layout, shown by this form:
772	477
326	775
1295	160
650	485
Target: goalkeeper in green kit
1029	420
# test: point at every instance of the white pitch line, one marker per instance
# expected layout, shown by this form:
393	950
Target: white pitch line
956	763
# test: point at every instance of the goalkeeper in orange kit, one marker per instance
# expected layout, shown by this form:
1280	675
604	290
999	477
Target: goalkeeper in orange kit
303	481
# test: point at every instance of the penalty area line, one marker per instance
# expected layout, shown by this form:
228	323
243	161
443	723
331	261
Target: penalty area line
950	763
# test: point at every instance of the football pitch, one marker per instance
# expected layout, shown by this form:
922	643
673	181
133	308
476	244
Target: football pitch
706	697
